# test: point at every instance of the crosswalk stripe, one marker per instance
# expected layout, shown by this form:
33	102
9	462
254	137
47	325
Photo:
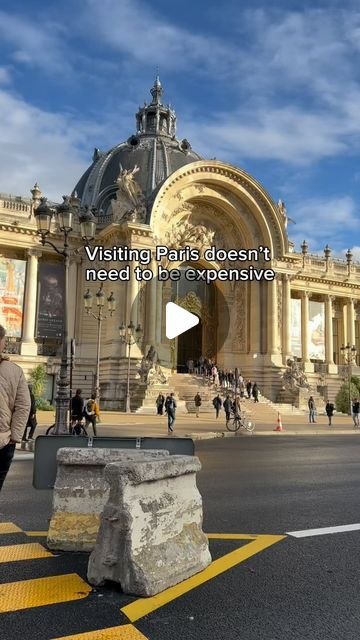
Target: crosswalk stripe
9	527
39	592
31	551
126	632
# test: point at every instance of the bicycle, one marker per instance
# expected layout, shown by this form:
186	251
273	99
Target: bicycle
238	422
77	429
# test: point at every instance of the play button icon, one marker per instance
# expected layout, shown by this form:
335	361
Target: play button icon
178	320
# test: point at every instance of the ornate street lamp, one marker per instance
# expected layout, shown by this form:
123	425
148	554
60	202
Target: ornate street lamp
64	217
349	354
349	259
99	316
129	336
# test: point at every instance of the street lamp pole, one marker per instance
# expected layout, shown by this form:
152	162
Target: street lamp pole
349	354
99	317
64	218
129	336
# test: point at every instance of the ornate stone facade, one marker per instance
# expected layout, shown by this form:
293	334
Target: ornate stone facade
176	199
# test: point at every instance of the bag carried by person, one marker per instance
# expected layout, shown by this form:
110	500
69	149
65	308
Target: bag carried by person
89	407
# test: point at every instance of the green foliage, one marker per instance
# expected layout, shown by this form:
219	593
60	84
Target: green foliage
38	379
43	405
342	398
356	381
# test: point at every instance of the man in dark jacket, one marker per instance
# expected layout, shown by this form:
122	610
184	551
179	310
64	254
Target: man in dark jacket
227	408
356	412
255	392
217	402
197	402
329	408
170	408
32	422
77	406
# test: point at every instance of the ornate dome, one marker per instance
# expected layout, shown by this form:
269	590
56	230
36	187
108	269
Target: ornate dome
154	149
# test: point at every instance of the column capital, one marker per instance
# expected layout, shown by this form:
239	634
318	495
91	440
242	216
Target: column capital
305	294
34	252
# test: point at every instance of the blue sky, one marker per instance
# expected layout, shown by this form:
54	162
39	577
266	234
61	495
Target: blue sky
272	87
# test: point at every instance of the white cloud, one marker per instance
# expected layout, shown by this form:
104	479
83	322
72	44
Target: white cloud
39	146
36	43
323	221
4	76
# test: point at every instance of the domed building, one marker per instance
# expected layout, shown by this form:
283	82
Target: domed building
154	190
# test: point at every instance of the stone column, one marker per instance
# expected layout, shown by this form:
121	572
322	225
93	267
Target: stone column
28	344
132	296
255	338
151	302
286	319
158	312
329	340
272	329
351	321
305	326
344	323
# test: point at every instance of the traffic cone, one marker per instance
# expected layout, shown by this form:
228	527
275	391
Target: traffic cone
279	423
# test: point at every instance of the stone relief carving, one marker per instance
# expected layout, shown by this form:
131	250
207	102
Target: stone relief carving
294	377
150	370
239	315
191	302
129	204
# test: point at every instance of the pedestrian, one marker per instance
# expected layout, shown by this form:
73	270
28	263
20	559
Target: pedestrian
329	408
255	392
312	409
77	407
91	412
249	389
227	408
355	412
217	402
160	401
170	408
15	406
197	401
32	422
236	406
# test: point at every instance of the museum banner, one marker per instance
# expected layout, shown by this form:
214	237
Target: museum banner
316	330
12	285
51	285
296	327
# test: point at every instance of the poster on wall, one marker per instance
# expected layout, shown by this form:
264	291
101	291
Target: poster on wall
12	285
50	300
316	330
295	334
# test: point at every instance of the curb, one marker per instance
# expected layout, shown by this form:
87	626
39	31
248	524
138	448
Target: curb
215	435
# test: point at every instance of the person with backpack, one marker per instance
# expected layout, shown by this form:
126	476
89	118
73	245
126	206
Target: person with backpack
197	401
355	412
32	422
170	408
217	402
91	412
312	409
329	408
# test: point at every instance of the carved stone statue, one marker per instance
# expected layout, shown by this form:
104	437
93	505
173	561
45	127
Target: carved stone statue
283	211
130	202
294	377
150	370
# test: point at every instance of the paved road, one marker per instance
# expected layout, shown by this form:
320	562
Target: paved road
294	589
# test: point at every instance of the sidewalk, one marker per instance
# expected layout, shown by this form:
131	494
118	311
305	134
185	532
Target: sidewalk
115	423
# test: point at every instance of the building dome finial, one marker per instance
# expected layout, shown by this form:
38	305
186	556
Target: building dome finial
156	91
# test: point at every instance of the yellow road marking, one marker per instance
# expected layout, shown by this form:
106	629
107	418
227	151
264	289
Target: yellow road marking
144	606
31	551
126	632
26	594
9	527
35	534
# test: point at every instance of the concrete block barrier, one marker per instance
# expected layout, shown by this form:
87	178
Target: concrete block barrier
81	492
150	536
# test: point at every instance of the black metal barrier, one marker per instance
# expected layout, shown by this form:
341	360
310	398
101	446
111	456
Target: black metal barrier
46	448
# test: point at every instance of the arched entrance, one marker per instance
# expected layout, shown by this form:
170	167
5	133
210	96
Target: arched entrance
189	346
200	299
